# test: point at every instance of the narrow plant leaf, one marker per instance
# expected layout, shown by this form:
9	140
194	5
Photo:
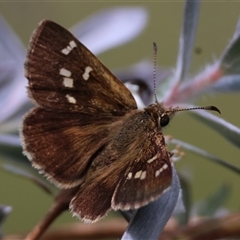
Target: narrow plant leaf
206	155
149	221
22	173
222	127
114	25
11	140
229	66
11	47
11	148
215	201
230	60
187	38
226	84
14	161
222	75
12	80
183	217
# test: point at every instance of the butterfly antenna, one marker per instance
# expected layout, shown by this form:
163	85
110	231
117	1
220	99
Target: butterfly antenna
211	108
154	70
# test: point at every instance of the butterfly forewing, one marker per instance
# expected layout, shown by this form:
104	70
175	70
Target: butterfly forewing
65	76
79	97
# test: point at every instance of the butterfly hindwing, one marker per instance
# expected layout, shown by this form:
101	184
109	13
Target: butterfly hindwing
147	177
65	76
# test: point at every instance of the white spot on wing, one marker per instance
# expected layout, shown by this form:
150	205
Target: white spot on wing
69	48
65	51
64	72
129	176
143	175
72	44
157	173
138	174
68	82
165	166
152	159
86	73
71	99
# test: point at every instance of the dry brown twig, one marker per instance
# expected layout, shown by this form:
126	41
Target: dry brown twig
222	227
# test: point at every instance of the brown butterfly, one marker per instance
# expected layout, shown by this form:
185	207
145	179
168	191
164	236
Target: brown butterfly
86	130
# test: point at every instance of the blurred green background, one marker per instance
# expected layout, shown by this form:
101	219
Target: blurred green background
217	23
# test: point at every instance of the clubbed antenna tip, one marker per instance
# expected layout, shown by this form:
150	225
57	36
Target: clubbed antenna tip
213	108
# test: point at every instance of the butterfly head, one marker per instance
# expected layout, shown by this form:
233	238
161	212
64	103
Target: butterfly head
163	115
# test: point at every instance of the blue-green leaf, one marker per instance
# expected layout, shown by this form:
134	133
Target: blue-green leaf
224	128
206	155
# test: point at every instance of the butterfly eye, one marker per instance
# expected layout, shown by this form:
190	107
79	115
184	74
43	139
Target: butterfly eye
164	120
